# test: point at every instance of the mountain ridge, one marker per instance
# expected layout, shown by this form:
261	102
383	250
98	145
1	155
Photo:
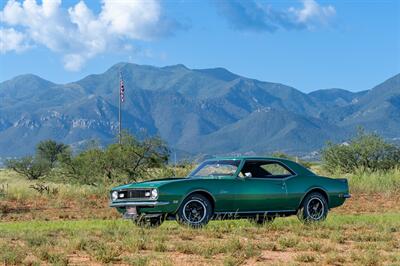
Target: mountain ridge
197	111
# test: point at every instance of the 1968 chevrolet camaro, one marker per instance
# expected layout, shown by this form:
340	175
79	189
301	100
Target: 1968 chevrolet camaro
256	188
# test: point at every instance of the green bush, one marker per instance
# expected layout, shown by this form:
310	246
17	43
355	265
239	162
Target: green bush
84	167
132	160
35	167
366	152
125	162
49	150
29	166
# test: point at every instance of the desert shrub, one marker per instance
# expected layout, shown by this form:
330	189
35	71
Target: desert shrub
134	158
125	162
49	150
305	258
42	188
35	167
85	167
365	152
29	166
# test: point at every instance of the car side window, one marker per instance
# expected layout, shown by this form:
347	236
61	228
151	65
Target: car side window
265	169
275	169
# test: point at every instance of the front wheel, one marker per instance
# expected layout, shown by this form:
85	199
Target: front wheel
314	208
195	211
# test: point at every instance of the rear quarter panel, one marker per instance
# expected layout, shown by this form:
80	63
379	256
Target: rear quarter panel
299	186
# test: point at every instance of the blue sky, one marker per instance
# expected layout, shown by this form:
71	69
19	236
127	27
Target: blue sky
306	44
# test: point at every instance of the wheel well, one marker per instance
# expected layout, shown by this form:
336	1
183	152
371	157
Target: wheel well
319	190
204	194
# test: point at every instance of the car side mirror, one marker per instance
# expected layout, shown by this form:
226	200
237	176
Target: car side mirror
248	174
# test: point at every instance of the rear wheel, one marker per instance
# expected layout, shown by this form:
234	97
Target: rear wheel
195	211
314	208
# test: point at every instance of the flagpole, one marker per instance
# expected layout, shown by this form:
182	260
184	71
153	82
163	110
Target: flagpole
119	109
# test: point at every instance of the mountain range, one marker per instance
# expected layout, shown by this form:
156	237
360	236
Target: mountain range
196	111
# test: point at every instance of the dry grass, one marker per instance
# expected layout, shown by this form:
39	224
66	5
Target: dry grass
18	201
74	226
387	182
371	239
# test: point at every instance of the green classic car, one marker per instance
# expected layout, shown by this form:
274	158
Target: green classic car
256	188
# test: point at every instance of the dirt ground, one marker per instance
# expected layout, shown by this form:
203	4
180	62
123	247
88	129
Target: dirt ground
364	231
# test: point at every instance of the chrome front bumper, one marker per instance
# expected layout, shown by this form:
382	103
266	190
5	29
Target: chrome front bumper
138	203
137	216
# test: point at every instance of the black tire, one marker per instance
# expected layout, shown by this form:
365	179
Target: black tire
149	222
314	208
195	211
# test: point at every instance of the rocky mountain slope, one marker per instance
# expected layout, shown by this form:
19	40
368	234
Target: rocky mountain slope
197	111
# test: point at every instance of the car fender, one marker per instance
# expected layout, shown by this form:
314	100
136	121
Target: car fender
191	191
311	189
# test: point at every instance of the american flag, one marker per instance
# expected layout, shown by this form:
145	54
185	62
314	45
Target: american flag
121	89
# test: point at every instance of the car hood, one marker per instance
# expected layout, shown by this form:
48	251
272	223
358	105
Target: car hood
151	183
155	183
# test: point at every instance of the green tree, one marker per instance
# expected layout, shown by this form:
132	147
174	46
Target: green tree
85	167
125	162
366	152
49	150
29	166
137	157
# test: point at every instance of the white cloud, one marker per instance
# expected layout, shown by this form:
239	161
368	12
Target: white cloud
256	15
134	19
79	34
74	62
313	13
12	40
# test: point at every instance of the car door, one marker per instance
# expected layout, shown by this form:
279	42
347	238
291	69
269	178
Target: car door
261	186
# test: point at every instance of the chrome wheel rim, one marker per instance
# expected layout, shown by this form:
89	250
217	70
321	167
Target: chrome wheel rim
194	211
315	209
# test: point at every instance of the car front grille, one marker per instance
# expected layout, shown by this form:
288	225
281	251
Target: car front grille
134	194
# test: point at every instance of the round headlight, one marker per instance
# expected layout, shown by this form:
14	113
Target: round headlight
114	195
154	193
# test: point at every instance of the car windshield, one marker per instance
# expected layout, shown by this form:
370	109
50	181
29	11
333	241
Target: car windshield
216	168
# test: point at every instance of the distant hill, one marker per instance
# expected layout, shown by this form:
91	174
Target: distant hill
197	111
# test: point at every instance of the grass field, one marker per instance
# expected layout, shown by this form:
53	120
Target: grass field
387	182
369	239
72	225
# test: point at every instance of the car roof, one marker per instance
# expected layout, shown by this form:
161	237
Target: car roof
246	158
296	167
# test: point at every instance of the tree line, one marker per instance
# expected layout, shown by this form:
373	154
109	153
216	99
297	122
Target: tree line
366	152
131	160
134	159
